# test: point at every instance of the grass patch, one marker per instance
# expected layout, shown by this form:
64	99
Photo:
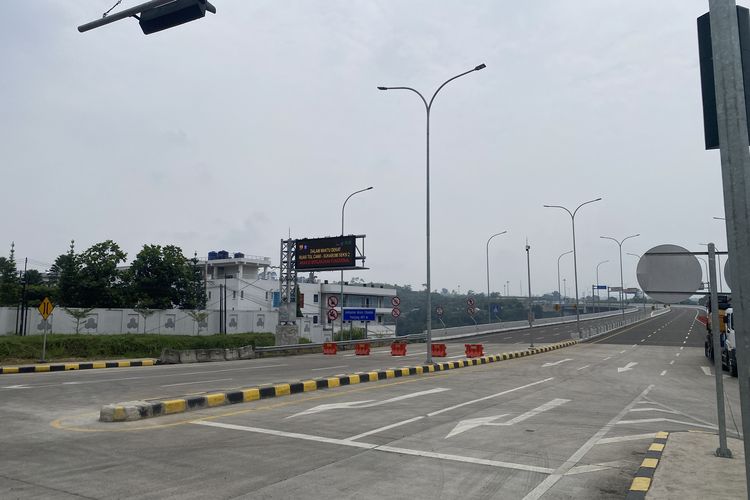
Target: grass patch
86	347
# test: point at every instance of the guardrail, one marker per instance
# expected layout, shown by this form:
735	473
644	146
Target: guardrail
633	315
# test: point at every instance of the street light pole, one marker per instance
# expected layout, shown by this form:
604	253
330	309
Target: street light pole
598	301
489	313
718	259
428	107
559	295
622	286
531	313
642	291
341	282
575	261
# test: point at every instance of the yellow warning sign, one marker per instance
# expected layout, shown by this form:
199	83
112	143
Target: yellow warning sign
46	308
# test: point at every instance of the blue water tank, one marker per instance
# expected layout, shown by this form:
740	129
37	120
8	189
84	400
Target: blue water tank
223	254
239	255
212	256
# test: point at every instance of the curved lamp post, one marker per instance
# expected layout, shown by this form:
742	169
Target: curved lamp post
559	295
341	292
622	291
428	107
489	313
575	263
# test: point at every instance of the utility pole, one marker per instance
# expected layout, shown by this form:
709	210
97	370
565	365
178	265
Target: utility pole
531	311
735	173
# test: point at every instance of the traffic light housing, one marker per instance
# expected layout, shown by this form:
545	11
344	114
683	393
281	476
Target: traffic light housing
171	14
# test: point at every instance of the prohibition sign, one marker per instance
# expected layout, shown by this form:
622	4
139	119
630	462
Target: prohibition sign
396	312
395	301
333	314
333	301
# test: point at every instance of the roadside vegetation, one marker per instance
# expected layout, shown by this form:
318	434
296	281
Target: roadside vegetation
14	349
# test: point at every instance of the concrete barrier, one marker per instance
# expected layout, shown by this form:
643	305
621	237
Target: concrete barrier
175	356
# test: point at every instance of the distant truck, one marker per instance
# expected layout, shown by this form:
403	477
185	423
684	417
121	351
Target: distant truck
727	337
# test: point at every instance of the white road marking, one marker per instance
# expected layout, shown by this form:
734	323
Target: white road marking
454	357
548	483
651	420
627	367
706	370
583	469
385	449
671	362
385	428
555	363
621	439
681	348
328	368
678	354
468	424
365	404
663	373
584	366
608	357
656	409
491	396
197	382
623	351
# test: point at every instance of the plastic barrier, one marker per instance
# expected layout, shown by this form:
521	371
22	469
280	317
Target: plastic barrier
398	349
474	350
329	348
438	351
362	349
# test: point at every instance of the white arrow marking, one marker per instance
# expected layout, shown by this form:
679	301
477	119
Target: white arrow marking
465	425
706	370
556	362
365	404
627	367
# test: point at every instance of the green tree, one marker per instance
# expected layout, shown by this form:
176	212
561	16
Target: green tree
100	283
65	275
9	282
78	315
162	278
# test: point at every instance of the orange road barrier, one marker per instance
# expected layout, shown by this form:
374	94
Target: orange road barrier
362	349
439	350
398	349
474	350
329	348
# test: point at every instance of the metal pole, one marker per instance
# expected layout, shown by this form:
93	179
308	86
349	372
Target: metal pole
575	260
341	281
428	107
131	12
735	168
622	285
531	313
722	450
559	296
597	284
489	313
44	342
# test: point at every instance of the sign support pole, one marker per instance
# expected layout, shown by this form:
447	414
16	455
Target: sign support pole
44	343
735	169
722	450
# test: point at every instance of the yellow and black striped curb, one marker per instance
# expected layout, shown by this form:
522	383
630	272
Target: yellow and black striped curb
138	410
645	475
85	365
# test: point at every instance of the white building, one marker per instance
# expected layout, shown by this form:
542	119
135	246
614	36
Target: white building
251	287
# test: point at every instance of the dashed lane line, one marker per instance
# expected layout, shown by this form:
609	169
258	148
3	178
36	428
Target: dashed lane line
663	373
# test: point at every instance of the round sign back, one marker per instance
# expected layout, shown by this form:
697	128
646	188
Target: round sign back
669	278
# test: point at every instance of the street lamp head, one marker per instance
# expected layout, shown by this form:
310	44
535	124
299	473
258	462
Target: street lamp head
382	88
481	66
367	189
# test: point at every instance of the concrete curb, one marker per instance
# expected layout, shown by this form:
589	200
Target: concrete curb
84	365
642	480
138	410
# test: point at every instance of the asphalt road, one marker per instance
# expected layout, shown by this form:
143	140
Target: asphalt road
572	423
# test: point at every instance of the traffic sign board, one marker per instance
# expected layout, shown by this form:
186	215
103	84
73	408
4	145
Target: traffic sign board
359	314
470	301
600	287
396	312
495	308
333	301
46	308
471	311
669	278
395	301
439	311
333	314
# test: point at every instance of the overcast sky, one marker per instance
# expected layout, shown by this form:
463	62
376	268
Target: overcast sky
233	131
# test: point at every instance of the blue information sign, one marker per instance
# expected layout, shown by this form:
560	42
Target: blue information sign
356	314
601	287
